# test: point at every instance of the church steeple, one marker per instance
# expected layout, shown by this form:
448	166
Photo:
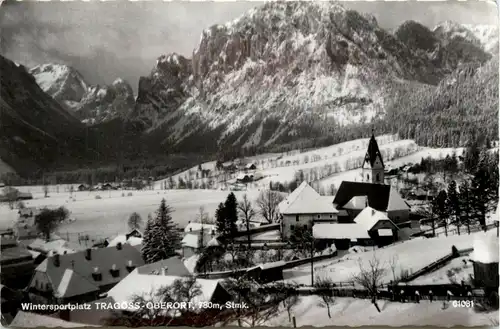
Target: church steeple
373	165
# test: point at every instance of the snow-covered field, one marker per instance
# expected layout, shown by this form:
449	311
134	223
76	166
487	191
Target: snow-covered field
281	167
434	153
361	312
108	216
410	256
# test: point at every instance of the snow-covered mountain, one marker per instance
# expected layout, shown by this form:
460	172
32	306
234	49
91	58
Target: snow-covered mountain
91	104
486	36
286	71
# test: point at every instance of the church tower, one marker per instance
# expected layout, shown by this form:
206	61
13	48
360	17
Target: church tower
373	165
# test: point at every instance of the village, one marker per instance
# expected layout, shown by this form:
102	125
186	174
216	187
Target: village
368	240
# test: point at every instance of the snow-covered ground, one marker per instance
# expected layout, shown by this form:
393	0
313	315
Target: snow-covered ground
108	216
410	256
434	153
361	312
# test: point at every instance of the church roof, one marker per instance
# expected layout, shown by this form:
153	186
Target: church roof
373	152
380	197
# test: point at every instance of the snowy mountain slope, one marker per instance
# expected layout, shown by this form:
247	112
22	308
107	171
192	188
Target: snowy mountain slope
35	131
486	36
282	72
91	104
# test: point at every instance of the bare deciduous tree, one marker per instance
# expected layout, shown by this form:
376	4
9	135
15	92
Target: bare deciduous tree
289	296
268	205
247	212
261	305
370	277
324	288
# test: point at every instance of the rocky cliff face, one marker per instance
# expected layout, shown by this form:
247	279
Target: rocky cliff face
286	71
91	104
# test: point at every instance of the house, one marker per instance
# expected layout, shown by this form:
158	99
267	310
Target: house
94	315
32	320
196	227
10	302
136	284
485	257
250	166
106	187
173	266
268	272
133	238
303	207
370	227
83	187
17	265
54	245
83	275
193	243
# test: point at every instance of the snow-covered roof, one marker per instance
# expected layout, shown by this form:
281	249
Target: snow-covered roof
136	284
485	249
214	242
368	217
193	227
59	246
340	231
133	241
272	265
191	240
396	202
305	200
32	320
357	202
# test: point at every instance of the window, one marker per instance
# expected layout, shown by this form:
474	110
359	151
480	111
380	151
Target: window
296	218
378	177
319	216
292	227
331	216
367	177
305	227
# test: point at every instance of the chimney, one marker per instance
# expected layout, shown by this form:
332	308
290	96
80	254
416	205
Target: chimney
57	260
130	266
88	254
115	272
96	275
119	246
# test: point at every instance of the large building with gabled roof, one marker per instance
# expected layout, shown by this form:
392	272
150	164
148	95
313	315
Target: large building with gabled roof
305	208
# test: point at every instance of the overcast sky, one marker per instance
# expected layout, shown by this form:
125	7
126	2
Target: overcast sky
106	40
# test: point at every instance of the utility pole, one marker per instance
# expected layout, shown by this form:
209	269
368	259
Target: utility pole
312	255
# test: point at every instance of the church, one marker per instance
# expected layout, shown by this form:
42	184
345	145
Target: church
361	213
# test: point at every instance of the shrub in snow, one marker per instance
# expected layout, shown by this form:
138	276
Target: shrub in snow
129	194
98	197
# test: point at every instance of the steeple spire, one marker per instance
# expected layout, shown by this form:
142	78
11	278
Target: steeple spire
373	165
